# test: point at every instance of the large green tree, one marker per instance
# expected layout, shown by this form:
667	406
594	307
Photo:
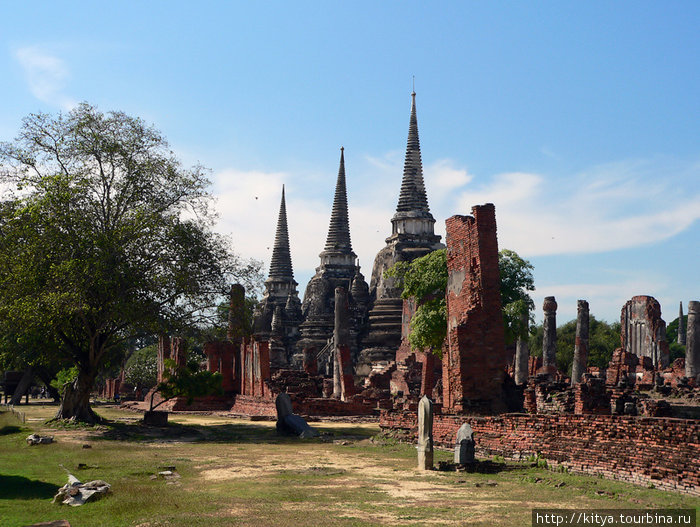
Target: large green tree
105	237
425	280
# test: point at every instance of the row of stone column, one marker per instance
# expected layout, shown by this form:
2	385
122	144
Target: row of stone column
549	343
580	362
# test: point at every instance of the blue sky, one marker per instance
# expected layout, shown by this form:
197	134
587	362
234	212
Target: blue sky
578	120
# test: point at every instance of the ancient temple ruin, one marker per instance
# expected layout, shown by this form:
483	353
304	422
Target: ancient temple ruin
338	268
643	331
412	235
474	366
278	315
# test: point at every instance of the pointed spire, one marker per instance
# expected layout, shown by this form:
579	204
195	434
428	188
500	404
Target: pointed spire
413	196
339	230
281	264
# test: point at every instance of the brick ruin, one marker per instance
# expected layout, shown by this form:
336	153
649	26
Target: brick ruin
344	350
643	331
645	451
474	366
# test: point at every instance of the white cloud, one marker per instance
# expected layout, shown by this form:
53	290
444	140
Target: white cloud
46	76
536	216
248	206
445	178
611	207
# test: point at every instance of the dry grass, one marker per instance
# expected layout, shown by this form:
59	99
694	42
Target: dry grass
238	472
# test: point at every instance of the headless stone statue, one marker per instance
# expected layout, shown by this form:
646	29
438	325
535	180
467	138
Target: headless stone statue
283	404
425	434
290	423
464	445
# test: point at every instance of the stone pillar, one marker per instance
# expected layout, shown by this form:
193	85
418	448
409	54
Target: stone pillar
692	341
342	370
681	327
164	351
522	353
425	434
549	341
578	368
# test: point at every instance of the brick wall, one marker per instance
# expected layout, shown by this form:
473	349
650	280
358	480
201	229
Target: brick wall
474	368
663	452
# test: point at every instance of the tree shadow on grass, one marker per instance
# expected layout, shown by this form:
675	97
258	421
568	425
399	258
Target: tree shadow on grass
10	429
485	466
19	487
176	432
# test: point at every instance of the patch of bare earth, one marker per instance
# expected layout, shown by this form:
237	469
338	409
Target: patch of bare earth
402	488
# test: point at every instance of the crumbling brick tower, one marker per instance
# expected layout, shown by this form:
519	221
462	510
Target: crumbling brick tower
474	366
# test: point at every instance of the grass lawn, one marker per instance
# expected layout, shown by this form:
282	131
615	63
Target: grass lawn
238	472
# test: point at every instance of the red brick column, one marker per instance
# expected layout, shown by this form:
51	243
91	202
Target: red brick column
262	368
428	375
164	352
473	371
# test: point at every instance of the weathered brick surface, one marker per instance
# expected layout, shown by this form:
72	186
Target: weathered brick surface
255	371
253	406
221	357
474	367
643	331
164	352
663	452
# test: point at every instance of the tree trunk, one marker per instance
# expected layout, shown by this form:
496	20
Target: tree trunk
76	400
46	377
24	384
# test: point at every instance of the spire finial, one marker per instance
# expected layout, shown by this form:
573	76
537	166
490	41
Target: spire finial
339	229
412	197
281	263
413	93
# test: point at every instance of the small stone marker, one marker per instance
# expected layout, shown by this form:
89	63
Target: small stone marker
425	434
464	446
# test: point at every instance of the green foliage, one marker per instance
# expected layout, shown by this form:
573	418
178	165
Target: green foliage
429	326
63	377
603	339
141	369
187	382
105	237
677	351
516	281
672	329
425	279
516	278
